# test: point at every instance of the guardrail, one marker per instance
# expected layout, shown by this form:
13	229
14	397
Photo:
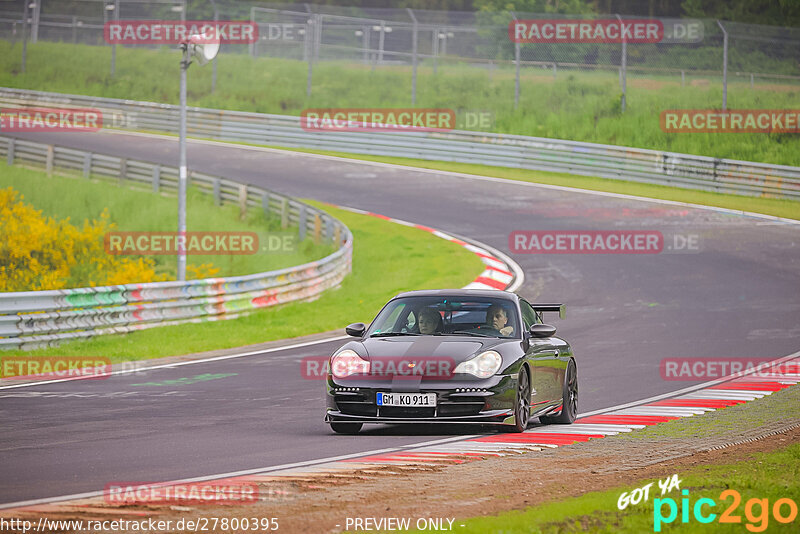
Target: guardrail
518	151
34	319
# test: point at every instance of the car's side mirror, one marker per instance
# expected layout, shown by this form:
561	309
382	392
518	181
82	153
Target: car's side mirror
356	329
543	330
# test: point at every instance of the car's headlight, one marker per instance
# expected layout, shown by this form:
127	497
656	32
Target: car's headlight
483	365
348	362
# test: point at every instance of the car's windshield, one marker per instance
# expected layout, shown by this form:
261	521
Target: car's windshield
457	316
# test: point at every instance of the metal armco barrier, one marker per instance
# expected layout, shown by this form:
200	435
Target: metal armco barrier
34	319
501	150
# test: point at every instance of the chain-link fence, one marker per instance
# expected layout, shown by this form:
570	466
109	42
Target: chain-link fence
693	52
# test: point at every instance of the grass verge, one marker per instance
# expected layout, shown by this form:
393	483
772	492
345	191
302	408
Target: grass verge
582	106
142	211
769	476
388	258
772	475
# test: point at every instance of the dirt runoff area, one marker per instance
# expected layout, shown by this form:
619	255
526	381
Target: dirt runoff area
323	502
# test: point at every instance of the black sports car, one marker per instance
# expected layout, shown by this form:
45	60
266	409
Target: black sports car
454	356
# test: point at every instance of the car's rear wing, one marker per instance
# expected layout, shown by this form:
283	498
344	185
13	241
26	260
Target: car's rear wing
541	308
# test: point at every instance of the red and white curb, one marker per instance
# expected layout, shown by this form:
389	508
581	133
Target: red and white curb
500	271
697	400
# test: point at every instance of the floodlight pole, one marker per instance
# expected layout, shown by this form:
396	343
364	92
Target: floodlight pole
214	66
623	67
182	173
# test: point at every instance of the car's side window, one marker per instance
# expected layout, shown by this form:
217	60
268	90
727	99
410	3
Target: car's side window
389	324
528	315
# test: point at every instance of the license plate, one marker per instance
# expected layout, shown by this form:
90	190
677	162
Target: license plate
421	400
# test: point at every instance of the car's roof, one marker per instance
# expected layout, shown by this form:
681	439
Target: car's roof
460	293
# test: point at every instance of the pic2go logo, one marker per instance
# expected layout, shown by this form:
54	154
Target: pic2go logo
756	511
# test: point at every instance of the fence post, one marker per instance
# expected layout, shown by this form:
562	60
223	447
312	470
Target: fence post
242	201
216	192
337	235
24	36
113	46
318	22
37	12
414	39
555	69
724	66
309	51
284	213
252	23
381	39
302	223
214	62
48	165
87	165
317	227
623	67
516	66
10	155
435	49
123	170
328	229
156	178
74	29
365	41
683	77
265	204
516	81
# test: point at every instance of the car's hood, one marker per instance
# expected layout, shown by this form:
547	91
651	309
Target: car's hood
458	348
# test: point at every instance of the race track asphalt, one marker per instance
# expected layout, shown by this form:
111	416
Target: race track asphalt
737	296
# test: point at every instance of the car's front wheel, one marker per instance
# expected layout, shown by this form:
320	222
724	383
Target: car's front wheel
522	404
346	428
569	403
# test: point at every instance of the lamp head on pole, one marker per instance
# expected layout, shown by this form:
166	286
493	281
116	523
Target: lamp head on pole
203	47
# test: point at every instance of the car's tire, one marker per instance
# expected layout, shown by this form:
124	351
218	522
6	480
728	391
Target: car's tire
346	428
569	401
522	402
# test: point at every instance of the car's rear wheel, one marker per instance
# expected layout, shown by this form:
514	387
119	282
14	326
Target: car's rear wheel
522	404
346	428
569	403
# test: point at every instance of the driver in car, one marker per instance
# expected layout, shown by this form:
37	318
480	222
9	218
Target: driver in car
497	318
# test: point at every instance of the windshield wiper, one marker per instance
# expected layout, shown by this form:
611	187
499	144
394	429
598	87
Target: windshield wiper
388	334
467	333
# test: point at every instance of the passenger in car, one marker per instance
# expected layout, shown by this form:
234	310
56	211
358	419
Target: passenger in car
430	321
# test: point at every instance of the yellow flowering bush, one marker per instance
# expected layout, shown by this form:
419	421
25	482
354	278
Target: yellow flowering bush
38	252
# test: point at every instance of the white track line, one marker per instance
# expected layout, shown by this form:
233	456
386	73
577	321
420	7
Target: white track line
179	364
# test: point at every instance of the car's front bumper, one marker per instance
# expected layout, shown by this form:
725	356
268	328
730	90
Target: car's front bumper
489	401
